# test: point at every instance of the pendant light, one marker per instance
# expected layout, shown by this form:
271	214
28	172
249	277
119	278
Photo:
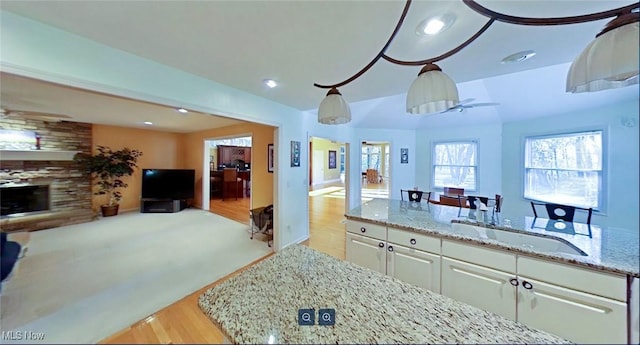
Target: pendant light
611	60
432	92
333	109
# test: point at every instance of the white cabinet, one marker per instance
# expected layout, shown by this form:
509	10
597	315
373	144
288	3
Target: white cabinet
367	252
414	266
403	255
571	314
580	305
480	277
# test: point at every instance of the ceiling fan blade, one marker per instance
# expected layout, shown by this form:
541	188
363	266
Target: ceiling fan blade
480	104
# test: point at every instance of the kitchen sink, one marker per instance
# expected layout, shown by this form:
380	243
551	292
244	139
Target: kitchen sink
517	239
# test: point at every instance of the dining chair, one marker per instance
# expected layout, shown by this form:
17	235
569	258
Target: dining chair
414	195
230	176
561	212
449	191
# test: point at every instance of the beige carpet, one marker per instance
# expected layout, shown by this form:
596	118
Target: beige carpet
84	282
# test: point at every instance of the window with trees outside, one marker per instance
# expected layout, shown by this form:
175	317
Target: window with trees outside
371	157
455	164
564	169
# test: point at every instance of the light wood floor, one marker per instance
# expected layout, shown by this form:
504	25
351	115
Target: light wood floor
184	323
231	208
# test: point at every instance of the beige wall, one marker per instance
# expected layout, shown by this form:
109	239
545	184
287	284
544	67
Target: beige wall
261	180
161	150
324	146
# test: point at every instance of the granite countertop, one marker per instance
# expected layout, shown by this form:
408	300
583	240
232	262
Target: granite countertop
614	250
260	305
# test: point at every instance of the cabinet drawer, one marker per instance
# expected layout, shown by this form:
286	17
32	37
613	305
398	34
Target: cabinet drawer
367	229
602	284
407	238
480	256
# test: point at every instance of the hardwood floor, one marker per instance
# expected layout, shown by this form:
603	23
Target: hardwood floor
231	208
184	323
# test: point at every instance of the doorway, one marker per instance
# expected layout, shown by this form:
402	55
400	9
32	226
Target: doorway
375	170
230	197
327	195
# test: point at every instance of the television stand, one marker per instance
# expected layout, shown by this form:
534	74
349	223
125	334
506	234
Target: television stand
162	205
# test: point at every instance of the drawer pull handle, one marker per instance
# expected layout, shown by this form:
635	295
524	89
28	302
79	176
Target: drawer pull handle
390	248
513	281
527	285
412	241
381	245
362	229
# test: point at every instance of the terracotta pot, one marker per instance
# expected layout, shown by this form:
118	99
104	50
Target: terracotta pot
108	211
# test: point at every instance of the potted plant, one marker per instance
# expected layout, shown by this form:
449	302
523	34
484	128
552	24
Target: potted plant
107	167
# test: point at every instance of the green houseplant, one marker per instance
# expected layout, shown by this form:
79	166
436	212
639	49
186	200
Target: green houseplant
106	167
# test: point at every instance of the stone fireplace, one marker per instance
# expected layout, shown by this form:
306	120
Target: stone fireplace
29	177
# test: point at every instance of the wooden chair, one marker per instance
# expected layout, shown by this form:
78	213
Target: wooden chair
452	200
373	176
450	191
230	177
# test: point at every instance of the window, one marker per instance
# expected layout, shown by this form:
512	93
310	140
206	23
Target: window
455	164
370	157
342	159
564	169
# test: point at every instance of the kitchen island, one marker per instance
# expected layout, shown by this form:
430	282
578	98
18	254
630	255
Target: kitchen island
260	305
578	281
613	250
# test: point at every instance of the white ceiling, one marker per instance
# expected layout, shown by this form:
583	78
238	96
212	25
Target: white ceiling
297	43
23	94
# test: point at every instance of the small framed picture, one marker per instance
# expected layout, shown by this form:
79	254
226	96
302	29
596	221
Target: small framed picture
270	158
332	159
295	153
404	156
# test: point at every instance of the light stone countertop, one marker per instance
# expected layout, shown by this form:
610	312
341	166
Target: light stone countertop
608	249
260	305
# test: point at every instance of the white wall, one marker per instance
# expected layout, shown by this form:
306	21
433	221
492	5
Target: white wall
35	50
489	138
621	149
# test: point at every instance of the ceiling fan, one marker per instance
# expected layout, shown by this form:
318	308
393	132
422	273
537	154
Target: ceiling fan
49	117
466	103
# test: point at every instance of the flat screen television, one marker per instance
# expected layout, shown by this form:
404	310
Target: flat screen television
173	184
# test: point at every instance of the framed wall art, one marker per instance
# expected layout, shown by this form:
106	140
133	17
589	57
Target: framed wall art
295	153
270	158
404	156
332	159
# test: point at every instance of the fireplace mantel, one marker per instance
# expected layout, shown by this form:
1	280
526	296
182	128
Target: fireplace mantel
36	155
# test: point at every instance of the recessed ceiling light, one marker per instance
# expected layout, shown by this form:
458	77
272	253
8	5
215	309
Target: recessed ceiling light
182	110
435	25
270	83
148	123
519	56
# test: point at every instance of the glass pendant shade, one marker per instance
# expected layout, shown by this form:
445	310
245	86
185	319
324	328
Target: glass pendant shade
432	92
610	61
333	109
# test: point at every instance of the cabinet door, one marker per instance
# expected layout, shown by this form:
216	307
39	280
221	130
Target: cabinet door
247	155
367	252
479	286
414	266
577	316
